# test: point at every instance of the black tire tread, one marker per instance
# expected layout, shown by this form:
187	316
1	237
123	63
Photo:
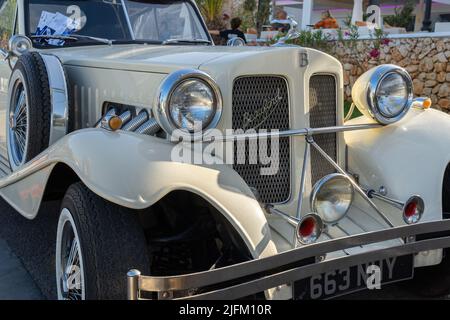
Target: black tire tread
112	242
33	68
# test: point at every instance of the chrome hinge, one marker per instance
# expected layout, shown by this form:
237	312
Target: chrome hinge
304	59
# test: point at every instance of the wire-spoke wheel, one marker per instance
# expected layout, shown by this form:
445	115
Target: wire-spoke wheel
18	129
69	260
97	243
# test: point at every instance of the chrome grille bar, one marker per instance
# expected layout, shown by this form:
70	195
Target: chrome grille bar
285	259
293	133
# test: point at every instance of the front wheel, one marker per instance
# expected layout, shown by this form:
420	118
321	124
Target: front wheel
97	243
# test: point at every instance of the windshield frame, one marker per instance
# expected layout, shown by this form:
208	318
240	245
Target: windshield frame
80	42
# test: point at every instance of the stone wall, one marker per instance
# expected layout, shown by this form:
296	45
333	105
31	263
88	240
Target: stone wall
427	60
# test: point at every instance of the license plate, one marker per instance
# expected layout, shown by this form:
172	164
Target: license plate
370	275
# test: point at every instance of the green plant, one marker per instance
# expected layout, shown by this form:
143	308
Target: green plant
248	19
249	5
356	113
316	39
402	18
350	37
211	11
379	37
7	22
348	20
262	14
247	13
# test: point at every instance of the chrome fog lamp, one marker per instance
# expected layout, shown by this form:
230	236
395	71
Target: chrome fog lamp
189	100
384	93
331	197
19	44
309	228
413	210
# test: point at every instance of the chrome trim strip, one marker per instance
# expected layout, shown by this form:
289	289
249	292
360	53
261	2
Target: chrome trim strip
395	203
206	278
125	11
59	97
294	132
289	219
306	159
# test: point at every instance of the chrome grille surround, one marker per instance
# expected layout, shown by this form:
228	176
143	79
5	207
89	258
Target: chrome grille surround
323	113
250	95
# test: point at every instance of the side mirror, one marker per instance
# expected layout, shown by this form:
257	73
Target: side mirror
18	45
236	42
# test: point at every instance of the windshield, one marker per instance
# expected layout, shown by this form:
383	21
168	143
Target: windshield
117	20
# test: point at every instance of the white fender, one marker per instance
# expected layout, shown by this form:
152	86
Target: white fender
135	171
408	157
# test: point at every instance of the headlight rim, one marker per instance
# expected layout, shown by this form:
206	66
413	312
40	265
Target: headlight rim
166	90
374	84
316	188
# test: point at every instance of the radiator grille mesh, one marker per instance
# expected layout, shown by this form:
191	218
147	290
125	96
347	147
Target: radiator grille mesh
323	113
261	102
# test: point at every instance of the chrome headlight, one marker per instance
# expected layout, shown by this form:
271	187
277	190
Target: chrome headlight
331	197
384	93
19	44
189	100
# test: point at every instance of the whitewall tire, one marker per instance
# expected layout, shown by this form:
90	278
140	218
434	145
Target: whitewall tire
69	260
97	243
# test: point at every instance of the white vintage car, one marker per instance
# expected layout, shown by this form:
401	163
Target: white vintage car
95	96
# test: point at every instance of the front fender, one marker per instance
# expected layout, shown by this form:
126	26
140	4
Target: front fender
136	171
408	157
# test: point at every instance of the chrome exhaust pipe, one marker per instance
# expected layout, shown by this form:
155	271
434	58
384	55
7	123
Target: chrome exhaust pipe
149	128
109	113
125	117
136	122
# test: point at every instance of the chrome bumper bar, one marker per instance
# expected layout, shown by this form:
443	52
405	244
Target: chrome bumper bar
255	276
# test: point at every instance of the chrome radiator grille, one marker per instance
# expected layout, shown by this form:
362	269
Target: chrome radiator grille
323	113
261	102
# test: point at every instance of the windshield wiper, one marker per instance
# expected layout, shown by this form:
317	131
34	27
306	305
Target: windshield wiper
72	37
189	41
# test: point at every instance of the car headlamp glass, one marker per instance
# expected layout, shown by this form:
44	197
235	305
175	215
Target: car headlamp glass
189	100
192	105
384	93
331	197
392	95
